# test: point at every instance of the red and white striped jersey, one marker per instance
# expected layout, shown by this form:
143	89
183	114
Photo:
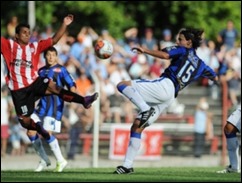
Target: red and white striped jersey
22	61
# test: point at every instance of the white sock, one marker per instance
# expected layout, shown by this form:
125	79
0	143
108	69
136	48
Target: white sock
54	145
134	145
134	96
38	146
233	152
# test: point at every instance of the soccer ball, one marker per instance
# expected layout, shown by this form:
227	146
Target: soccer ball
103	49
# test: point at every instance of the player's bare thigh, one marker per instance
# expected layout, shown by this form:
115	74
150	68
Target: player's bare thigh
229	128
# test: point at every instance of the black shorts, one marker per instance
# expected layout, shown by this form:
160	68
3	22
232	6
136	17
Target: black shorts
24	99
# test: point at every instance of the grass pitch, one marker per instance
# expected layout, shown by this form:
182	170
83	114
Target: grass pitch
166	174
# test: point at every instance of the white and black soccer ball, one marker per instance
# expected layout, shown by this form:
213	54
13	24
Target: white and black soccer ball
103	49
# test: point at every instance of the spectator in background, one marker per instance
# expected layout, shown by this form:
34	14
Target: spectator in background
15	138
130	57
81	121
87	36
35	37
140	69
83	84
11	27
202	123
88	61
74	127
48	32
132	35
116	106
149	42
213	60
167	39
156	68
203	52
227	37
107	36
18	138
233	75
5	114
234	85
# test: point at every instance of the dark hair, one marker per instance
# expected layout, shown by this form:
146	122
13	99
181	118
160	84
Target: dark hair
20	26
52	48
195	35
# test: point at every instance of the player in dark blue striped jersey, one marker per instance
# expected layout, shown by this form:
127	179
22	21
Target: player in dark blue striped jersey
53	105
50	109
153	96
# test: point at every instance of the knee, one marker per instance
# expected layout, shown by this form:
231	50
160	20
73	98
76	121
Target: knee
31	133
25	122
123	84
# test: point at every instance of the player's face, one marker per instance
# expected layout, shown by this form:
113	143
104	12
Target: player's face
181	41
51	58
24	36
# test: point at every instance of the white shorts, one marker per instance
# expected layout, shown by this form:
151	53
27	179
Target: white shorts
51	124
235	118
158	93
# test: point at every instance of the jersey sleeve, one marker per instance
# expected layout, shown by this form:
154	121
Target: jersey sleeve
44	44
69	80
5	49
175	51
209	72
4	44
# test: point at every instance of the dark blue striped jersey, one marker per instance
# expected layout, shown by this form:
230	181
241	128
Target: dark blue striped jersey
185	67
52	105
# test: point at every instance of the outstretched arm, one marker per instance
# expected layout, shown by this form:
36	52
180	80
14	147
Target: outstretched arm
159	54
67	21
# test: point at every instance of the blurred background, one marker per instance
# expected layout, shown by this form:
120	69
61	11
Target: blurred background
202	108
117	17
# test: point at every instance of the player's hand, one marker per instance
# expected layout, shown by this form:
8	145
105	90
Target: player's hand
68	19
137	50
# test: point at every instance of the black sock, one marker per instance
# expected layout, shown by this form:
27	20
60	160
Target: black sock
71	97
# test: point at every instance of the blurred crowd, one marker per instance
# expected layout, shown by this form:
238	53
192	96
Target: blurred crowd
77	55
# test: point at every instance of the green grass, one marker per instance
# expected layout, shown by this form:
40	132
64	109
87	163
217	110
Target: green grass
181	174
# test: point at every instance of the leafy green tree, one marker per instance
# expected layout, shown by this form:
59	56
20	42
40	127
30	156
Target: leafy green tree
97	14
211	16
118	16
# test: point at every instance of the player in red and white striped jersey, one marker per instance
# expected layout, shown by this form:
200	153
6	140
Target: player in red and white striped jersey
21	58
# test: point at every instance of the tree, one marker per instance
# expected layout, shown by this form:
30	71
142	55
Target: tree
117	16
